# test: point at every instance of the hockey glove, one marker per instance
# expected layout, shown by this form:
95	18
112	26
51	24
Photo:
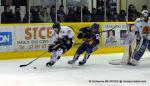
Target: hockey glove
80	36
50	48
64	40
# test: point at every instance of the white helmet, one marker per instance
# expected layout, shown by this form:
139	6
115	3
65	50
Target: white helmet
145	13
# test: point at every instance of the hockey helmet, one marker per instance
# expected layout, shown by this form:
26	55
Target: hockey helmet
56	25
95	26
145	13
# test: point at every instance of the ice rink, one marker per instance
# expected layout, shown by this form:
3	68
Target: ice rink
97	72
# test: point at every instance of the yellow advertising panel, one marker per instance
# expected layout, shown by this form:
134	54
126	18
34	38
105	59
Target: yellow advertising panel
30	40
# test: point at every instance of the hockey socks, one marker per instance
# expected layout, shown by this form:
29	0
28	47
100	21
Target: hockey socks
75	58
52	61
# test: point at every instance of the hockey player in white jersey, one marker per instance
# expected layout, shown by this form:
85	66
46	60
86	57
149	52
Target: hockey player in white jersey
62	41
142	32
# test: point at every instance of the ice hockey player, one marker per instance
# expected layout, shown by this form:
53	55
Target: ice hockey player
142	30
62	41
90	37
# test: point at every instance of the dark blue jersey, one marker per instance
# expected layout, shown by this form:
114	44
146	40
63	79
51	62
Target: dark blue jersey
85	30
95	38
86	33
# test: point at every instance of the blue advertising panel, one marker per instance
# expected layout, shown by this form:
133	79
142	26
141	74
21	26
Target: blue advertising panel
5	38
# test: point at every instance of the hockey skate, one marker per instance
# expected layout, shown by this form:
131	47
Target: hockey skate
82	62
50	63
71	62
133	62
74	59
84	59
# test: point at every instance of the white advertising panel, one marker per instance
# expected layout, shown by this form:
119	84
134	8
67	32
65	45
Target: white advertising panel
114	35
32	37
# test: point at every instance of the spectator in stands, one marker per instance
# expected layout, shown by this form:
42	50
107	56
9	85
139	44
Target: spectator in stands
44	16
17	16
69	17
7	15
100	3
35	15
122	15
77	14
113	16
133	13
26	18
144	7
53	13
100	14
133	17
61	14
93	14
86	14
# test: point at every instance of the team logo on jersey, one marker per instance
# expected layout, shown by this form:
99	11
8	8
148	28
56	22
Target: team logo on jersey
5	38
146	29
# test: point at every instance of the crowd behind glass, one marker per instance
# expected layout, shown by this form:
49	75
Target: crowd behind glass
41	14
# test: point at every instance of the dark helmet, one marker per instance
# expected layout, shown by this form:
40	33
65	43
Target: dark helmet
95	26
56	25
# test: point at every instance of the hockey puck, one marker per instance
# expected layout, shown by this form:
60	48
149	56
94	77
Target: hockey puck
34	67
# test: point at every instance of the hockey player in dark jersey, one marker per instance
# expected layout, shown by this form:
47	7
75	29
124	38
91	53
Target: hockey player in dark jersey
90	37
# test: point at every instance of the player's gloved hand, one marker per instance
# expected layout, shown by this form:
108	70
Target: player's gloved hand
136	33
63	40
80	35
50	48
87	36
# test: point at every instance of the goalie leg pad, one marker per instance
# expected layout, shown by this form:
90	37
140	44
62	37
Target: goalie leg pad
149	45
140	49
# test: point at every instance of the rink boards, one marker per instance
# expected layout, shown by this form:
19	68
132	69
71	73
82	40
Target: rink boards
30	40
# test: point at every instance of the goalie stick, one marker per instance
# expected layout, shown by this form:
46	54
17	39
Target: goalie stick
109	29
127	54
23	65
128	49
119	61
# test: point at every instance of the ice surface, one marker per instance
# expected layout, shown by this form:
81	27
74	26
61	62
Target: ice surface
97	70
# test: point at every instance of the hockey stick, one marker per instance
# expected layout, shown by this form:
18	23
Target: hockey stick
37	57
33	60
109	29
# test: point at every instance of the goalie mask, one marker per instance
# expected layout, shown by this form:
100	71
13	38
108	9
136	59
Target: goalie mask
145	14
